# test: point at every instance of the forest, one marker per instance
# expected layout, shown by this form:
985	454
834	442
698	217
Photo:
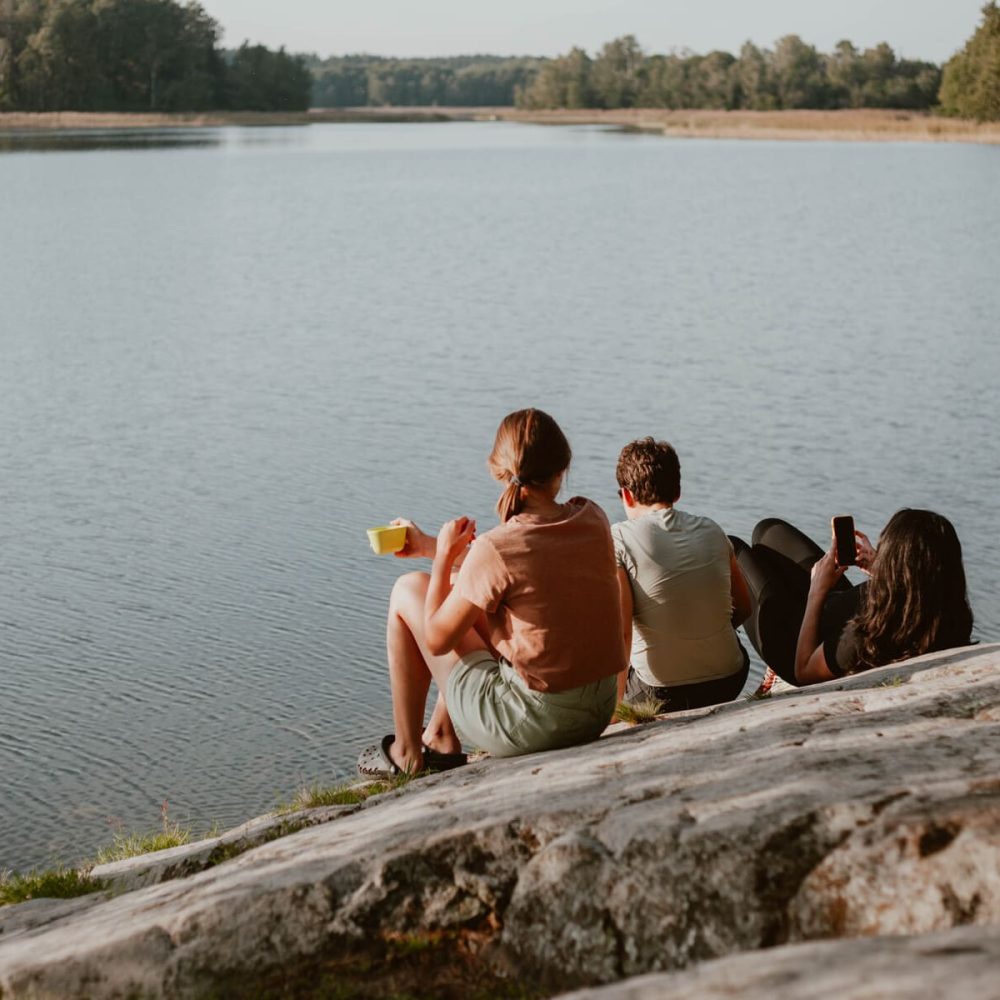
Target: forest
462	81
161	55
136	55
792	74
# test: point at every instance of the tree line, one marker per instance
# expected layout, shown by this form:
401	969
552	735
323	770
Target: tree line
162	55
971	85
462	81
136	55
792	74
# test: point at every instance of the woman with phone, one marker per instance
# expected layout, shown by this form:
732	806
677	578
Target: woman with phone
520	628
810	625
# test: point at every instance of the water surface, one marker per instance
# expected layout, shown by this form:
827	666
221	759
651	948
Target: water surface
225	355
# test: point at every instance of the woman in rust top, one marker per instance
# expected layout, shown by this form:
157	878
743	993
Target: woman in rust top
524	640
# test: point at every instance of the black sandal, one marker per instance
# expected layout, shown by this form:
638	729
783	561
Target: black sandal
377	762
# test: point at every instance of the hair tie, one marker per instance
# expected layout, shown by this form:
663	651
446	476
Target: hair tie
516	480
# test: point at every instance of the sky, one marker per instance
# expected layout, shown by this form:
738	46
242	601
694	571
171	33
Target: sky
916	29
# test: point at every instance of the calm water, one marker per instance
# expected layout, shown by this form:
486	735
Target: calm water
226	353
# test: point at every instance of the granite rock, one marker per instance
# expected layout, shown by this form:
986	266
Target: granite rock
959	963
858	808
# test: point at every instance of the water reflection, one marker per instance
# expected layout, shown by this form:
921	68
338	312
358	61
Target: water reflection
87	140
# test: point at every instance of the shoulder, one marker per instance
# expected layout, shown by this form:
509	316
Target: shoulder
622	536
586	507
697	522
709	534
585	511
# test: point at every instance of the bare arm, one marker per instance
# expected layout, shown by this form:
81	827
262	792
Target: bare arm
447	615
740	592
625	597
419	543
810	660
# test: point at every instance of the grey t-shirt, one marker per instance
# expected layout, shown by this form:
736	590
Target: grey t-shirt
678	565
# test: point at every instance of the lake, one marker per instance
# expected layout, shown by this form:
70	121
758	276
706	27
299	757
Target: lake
226	352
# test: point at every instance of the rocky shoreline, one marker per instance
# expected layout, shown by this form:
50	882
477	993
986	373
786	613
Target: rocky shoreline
867	808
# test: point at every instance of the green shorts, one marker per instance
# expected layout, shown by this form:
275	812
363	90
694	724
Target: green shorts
494	709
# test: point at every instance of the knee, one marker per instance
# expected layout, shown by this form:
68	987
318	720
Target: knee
408	592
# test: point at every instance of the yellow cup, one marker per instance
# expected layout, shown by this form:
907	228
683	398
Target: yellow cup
387	538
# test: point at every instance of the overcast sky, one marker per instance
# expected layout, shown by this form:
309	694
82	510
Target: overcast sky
918	29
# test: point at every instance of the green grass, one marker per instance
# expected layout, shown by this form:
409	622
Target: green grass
643	710
131	845
314	796
893	682
58	883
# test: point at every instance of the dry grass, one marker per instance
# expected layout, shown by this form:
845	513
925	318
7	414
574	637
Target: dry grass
639	711
865	124
29	121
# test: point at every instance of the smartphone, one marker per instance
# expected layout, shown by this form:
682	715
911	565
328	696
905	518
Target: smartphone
844	541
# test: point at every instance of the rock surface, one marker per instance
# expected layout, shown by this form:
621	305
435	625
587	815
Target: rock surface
864	807
958	963
187	859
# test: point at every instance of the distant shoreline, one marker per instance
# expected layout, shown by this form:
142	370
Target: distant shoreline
866	125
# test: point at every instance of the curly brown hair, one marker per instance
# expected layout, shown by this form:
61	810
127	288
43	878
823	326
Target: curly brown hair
916	601
650	470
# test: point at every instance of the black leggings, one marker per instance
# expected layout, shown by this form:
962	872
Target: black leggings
776	568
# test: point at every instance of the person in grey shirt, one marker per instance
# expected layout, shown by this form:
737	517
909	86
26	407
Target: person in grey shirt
682	593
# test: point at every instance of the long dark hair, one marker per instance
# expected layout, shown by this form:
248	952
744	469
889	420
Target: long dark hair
529	450
916	601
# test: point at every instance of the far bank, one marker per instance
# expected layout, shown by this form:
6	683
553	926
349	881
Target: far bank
863	125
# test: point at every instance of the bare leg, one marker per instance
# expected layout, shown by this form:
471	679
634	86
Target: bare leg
439	733
411	669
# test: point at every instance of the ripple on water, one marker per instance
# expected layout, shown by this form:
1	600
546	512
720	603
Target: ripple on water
194	437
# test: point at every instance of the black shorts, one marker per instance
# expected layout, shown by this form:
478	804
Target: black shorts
685	696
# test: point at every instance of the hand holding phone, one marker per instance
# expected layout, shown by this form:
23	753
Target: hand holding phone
845	546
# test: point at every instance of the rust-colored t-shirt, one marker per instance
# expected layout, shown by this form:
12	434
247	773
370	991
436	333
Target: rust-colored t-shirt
549	588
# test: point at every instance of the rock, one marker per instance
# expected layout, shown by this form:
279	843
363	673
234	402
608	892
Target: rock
178	862
957	963
862	807
39	912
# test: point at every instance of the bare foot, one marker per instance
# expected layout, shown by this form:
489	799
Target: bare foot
408	762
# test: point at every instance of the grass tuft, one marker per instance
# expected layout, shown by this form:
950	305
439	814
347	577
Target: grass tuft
315	796
131	845
897	680
58	883
637	712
